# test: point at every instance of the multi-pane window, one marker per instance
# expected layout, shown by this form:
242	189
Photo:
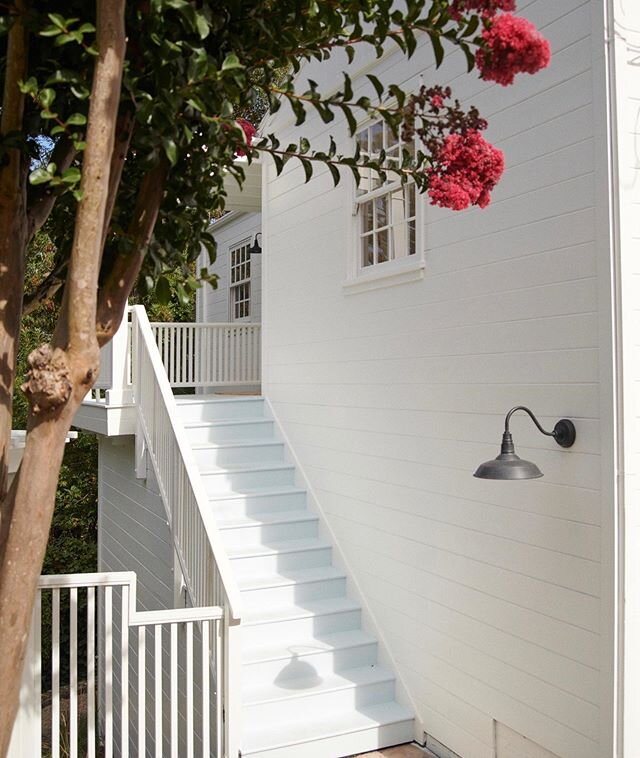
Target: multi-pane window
240	258
387	210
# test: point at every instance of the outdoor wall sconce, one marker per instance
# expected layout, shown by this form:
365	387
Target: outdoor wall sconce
510	466
255	249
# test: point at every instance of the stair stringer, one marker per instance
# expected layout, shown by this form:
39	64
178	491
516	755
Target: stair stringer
369	620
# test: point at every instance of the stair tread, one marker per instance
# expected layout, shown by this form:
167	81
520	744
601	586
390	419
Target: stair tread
311	684
240	468
291	611
227	422
294	576
195	399
263	492
233	521
279	650
287	546
323	725
256	442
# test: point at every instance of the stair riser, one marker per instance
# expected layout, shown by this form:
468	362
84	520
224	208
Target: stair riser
230	432
220	411
295	594
340	700
295	629
298	559
266	535
325	663
247	480
254	506
354	743
247	454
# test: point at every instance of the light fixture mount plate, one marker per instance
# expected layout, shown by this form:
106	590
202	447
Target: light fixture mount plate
564	432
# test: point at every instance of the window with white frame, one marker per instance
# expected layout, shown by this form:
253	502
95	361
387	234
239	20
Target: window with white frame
386	210
240	281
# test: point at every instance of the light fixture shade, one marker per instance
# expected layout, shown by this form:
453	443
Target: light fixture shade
508	465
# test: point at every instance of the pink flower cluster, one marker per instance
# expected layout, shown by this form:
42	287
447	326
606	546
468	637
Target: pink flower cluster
465	170
249	133
486	8
511	45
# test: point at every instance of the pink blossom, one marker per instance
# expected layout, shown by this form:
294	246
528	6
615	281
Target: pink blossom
486	8
437	101
249	133
511	45
465	170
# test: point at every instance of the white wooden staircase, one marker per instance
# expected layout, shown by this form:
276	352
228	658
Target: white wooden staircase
312	686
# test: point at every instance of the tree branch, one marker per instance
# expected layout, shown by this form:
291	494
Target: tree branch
40	203
124	133
124	272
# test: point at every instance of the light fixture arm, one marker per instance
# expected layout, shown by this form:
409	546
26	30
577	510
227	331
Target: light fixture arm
564	432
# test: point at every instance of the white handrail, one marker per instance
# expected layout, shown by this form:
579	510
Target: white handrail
204	561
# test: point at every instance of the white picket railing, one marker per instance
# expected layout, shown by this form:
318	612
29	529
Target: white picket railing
111	675
205	355
193	355
201	553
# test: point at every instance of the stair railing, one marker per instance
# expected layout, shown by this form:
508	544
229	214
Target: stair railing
202	556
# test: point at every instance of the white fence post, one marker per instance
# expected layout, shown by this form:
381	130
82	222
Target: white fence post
26	739
232	688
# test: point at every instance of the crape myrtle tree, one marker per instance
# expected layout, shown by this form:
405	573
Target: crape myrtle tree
118	124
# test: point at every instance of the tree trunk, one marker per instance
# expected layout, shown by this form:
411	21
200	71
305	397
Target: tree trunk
60	375
13	231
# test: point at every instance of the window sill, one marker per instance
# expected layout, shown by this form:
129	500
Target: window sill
385	275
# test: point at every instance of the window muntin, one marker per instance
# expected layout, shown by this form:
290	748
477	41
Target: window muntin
387	210
240	281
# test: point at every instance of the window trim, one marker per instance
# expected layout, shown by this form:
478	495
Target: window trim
400	270
246	243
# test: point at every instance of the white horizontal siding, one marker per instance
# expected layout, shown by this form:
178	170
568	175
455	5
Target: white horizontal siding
489	595
213	305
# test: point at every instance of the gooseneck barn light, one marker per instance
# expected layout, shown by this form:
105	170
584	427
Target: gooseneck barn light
510	466
255	249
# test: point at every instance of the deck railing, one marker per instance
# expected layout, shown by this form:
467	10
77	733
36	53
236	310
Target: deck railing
201	553
193	355
205	355
111	675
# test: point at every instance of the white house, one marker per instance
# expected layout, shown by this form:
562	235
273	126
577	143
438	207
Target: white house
373	591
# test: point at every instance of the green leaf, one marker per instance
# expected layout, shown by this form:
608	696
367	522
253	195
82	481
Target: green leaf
58	21
438	50
377	85
39	176
170	150
77	119
335	174
308	169
202	26
230	62
163	290
71	175
30	87
46	97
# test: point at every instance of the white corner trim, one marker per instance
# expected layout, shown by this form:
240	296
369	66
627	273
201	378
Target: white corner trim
385	275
